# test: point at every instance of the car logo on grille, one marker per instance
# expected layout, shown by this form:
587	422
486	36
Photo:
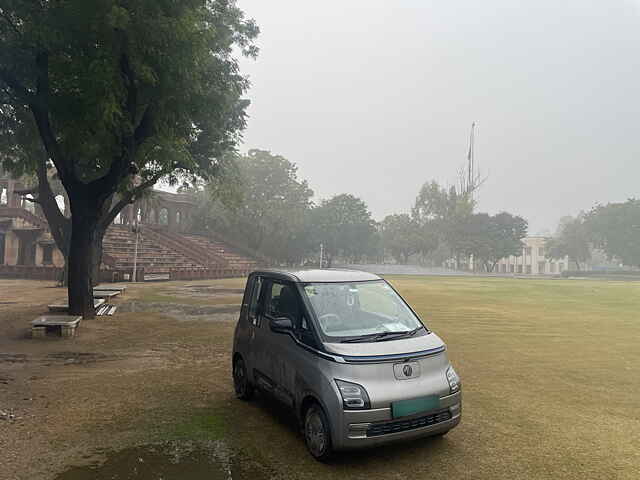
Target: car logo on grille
406	370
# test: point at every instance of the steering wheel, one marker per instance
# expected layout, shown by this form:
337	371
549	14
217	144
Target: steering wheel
328	320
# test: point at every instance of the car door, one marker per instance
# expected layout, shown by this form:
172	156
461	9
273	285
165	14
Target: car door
288	358
257	337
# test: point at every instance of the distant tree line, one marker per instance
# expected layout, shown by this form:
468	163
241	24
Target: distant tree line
613	228
262	204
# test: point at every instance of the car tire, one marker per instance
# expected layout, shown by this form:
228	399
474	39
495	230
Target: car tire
241	384
317	433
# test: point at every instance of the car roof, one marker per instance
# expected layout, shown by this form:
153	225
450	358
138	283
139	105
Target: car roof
318	275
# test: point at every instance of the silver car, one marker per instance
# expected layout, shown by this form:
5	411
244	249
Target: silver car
347	354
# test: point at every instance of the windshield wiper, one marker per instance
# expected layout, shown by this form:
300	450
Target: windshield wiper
361	338
382	336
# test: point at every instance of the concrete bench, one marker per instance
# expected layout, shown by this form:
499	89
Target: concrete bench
106	294
105	288
63	305
66	324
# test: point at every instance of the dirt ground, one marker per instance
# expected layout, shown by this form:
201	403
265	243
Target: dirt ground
549	368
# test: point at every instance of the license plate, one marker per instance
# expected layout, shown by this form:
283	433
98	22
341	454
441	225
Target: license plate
405	408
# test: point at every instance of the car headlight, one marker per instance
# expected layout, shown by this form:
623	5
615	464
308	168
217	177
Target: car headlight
453	379
354	396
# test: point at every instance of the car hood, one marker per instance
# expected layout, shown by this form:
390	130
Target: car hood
388	347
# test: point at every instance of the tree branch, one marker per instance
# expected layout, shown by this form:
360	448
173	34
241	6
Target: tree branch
40	110
127	198
144	129
24	193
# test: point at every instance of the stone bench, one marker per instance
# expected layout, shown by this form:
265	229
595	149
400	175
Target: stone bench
120	289
106	294
66	324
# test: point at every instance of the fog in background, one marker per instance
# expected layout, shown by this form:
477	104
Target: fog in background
373	97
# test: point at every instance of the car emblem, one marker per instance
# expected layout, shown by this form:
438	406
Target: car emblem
406	370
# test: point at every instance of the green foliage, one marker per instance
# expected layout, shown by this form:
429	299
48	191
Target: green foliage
492	237
344	226
436	203
572	239
442	215
615	228
401	236
153	81
268	210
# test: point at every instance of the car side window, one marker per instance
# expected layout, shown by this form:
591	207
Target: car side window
281	300
272	300
253	304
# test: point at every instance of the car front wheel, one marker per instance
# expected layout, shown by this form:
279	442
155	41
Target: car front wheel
241	385
317	433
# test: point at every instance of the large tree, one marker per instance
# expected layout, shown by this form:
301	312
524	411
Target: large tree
615	229
268	210
401	236
492	237
344	226
571	239
121	94
444	214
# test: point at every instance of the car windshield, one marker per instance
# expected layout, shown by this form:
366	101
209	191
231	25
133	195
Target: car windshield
360	309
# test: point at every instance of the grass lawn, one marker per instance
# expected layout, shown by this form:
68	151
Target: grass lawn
550	371
551	384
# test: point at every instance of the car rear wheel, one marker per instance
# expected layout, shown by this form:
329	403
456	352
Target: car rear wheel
241	385
317	433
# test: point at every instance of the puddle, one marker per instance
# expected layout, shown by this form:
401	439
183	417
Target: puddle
173	460
207	290
179	310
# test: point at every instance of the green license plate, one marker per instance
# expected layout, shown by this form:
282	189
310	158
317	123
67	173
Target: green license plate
405	408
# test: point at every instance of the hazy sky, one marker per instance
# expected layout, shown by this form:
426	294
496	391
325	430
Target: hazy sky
375	97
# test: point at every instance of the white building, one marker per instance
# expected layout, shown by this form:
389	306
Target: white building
532	260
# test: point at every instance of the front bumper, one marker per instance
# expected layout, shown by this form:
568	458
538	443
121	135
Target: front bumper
364	428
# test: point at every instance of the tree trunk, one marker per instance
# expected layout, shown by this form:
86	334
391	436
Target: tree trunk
97	257
84	238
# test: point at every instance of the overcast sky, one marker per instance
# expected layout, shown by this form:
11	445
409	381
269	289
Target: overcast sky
375	97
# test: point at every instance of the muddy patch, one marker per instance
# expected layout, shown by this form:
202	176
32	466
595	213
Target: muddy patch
173	460
79	358
56	358
13	358
213	290
185	312
202	292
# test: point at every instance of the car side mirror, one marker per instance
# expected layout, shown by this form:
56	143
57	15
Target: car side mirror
281	325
